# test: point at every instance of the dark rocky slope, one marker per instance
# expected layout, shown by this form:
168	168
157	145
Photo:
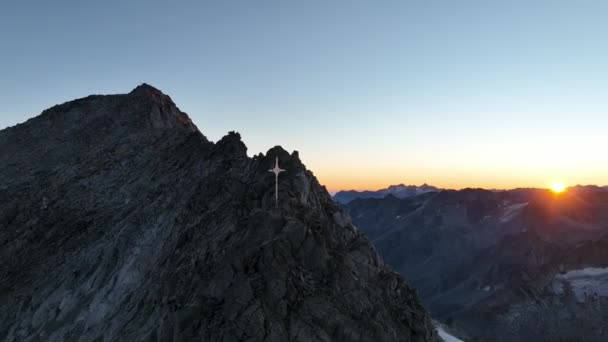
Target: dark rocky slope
119	220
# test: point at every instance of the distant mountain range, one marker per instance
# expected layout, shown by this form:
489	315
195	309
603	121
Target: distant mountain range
515	265
399	191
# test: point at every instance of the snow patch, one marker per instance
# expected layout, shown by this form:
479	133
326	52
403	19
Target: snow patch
511	211
446	337
586	283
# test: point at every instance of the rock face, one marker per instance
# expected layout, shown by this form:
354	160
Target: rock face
517	265
119	220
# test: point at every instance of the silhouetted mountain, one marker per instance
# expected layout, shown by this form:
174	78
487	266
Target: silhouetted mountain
399	191
119	220
523	264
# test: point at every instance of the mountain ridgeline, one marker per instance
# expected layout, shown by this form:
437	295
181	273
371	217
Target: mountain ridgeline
399	191
119	220
516	265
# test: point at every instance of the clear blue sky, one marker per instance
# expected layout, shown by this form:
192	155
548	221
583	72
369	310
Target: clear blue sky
455	93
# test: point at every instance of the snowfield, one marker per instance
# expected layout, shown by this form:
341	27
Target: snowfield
586	283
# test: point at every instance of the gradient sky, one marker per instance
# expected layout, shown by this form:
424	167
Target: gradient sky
493	94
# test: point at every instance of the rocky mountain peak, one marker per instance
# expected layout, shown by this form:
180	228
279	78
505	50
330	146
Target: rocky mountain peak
145	89
124	223
163	113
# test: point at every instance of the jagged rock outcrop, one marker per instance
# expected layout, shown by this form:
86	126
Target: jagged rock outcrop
119	220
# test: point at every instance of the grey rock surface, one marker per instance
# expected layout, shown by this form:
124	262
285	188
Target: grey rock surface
119	220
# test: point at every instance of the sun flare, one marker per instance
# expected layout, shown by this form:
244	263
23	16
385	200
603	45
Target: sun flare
558	187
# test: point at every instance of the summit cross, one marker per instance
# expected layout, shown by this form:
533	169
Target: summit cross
276	170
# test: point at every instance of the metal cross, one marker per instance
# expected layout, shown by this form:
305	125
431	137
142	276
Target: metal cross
276	171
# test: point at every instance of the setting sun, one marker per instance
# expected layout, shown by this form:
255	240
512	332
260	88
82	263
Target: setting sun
557	187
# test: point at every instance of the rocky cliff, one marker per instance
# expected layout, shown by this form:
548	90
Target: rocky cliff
119	220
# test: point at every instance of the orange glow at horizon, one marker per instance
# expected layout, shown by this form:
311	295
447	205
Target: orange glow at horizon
369	177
